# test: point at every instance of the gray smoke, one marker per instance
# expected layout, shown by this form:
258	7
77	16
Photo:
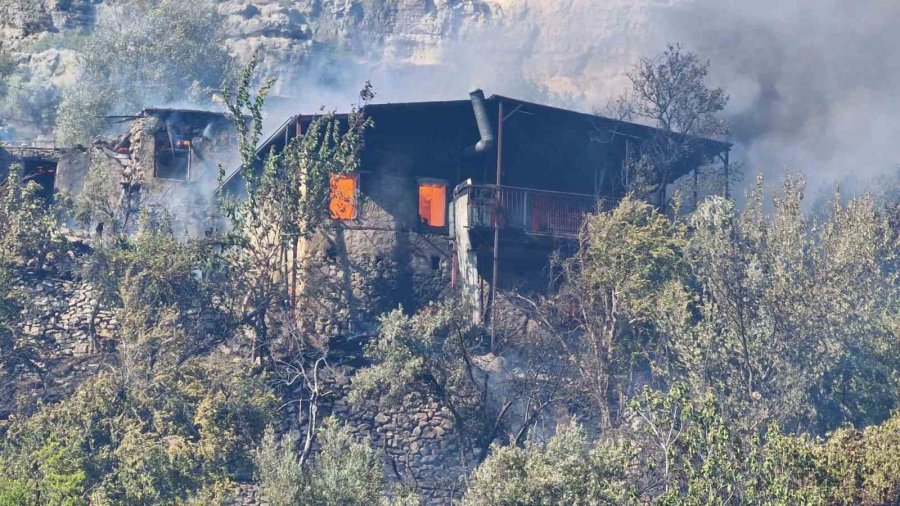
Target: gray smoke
815	84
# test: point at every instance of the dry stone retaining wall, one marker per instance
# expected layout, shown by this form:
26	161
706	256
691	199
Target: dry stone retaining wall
419	443
55	326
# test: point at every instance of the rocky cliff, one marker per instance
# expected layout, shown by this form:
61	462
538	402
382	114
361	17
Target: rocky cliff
573	52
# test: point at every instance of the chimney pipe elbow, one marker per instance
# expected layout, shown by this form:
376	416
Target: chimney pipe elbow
485	129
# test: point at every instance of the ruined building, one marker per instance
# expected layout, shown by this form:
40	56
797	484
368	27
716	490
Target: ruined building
473	194
163	159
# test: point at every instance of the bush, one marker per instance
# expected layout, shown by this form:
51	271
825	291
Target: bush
567	470
189	431
345	471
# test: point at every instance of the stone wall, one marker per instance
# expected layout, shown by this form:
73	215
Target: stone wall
419	443
55	327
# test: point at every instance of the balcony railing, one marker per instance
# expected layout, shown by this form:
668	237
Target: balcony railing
535	212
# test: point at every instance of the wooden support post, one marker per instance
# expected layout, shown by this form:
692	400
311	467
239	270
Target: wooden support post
496	267
727	176
695	186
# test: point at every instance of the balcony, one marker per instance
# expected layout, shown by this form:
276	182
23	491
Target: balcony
533	212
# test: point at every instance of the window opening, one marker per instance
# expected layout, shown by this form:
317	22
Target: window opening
173	158
433	203
43	173
343	196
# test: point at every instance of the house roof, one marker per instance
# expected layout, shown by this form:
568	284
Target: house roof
614	127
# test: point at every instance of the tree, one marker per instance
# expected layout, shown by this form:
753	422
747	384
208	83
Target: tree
29	236
111	199
187	432
285	200
628	266
430	353
678	448
797	317
670	92
29	239
142	52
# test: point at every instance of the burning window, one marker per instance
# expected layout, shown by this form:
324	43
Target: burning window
173	159
343	196
433	203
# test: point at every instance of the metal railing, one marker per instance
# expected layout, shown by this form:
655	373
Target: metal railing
536	212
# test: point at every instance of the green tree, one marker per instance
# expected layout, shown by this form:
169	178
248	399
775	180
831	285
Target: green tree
628	265
29	239
431	353
344	471
797	318
285	199
186	430
142	52
29	235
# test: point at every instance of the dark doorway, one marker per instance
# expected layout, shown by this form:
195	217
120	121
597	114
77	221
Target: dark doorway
43	173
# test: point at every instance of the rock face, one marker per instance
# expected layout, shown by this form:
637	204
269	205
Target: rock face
574	52
24	21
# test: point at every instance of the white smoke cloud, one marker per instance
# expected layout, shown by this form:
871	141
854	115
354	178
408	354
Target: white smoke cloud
570	53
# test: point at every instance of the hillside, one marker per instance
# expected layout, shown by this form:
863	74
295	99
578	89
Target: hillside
485	298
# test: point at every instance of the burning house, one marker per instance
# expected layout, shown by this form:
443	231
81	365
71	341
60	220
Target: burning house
473	194
470	193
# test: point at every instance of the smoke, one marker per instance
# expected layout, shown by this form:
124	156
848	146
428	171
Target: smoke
814	85
570	53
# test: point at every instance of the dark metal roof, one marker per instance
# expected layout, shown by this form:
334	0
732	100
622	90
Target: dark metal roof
622	127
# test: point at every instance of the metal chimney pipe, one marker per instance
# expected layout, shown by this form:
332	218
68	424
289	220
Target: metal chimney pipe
484	125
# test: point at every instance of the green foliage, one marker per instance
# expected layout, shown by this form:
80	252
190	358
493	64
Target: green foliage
345	471
111	196
798	318
281	478
142	52
679	449
429	353
285	199
29	235
173	295
567	470
628	268
185	431
686	451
